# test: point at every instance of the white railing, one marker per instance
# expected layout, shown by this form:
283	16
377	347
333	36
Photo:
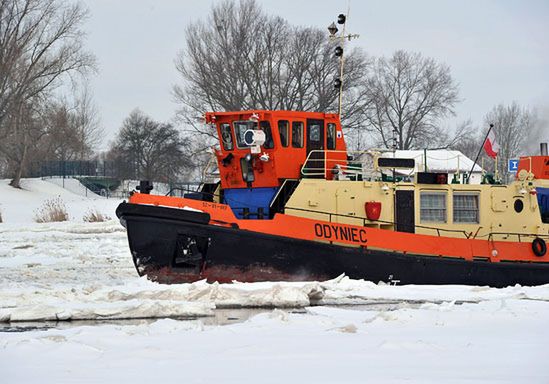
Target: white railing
341	165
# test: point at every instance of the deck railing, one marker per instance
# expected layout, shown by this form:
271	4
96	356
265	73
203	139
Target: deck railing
341	165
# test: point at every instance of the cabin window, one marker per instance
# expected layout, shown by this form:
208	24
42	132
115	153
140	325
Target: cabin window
466	208
240	127
433	207
266	127
314	132
297	134
226	137
284	131
330	137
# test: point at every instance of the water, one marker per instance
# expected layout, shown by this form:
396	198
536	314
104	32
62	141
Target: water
221	316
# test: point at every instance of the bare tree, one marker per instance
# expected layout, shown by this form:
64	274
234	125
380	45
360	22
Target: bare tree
23	127
86	122
409	94
146	149
513	127
40	42
466	139
538	132
71	129
59	130
241	58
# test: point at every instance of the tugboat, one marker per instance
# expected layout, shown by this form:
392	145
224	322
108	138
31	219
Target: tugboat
293	204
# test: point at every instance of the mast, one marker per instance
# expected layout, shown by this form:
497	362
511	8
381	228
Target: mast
339	52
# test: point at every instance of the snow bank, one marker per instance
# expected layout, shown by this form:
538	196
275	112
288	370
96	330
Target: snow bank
19	205
72	185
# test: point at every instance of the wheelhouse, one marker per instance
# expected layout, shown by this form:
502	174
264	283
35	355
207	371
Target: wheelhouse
251	175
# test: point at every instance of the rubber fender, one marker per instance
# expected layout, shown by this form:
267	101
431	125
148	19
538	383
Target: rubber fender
539	247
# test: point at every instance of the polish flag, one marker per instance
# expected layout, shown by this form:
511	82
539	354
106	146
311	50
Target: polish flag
491	146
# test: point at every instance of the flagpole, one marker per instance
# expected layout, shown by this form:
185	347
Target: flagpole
496	173
478	154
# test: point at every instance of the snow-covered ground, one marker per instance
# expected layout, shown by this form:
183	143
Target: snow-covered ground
338	331
20	205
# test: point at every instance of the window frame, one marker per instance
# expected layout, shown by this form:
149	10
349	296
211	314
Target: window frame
476	195
285	143
331	128
236	133
230	131
316	130
423	209
265	126
302	128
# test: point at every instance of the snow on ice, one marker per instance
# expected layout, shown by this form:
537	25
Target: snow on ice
341	330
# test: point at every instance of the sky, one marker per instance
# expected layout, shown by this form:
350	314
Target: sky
498	51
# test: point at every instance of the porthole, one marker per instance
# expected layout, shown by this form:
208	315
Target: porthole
519	205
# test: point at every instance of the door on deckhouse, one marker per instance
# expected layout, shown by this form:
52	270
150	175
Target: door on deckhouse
314	168
404	211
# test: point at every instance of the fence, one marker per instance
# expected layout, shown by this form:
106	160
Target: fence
99	177
72	168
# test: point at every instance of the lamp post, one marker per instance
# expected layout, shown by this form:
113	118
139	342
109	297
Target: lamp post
338	52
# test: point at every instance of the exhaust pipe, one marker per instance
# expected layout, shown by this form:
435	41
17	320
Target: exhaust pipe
543	149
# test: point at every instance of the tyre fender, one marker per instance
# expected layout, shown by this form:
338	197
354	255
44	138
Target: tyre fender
539	247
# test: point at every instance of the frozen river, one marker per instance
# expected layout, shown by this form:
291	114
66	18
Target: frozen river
86	317
72	309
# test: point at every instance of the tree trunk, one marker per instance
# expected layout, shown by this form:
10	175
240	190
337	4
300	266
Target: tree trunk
16	181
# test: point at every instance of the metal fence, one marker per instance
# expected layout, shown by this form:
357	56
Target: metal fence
100	178
72	168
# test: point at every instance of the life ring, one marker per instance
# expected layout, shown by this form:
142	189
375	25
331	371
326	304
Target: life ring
539	247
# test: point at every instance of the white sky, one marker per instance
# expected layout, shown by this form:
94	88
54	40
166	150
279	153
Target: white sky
498	50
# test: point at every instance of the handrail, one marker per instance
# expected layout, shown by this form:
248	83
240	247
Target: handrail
491	234
337	164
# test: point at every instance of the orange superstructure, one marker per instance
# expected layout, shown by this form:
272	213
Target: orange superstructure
289	138
537	165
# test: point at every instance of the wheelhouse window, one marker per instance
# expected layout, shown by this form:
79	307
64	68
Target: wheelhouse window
466	208
284	132
265	126
432	207
330	136
226	137
297	134
240	127
314	132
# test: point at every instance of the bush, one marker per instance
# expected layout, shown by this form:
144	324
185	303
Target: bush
94	216
52	210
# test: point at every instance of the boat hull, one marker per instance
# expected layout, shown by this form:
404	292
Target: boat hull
179	246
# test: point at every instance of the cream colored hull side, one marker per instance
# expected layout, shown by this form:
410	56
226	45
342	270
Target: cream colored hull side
499	213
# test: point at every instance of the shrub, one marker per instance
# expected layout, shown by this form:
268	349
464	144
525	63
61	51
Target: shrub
52	210
94	216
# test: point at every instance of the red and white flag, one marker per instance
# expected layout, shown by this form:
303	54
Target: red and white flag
491	146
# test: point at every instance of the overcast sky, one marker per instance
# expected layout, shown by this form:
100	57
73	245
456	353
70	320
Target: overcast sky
498	51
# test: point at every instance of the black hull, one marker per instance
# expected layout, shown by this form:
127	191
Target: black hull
176	246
